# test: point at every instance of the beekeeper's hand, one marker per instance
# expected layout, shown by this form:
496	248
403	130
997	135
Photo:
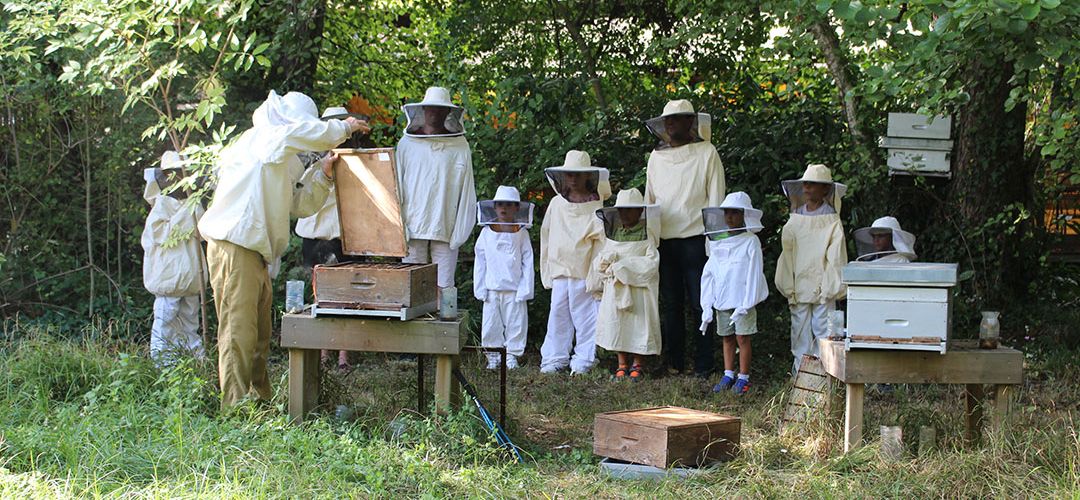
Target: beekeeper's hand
737	315
704	326
358	125
328	164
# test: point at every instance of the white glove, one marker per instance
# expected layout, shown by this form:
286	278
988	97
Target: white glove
704	326
737	315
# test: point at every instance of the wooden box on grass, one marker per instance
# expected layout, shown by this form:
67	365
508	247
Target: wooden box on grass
666	436
369	210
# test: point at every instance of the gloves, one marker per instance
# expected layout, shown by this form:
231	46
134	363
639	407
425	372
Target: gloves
704	326
738	314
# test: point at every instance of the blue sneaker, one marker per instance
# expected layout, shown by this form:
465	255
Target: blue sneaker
742	386
725	384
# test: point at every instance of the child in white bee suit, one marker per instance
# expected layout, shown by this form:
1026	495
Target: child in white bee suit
814	253
173	269
627	272
733	283
570	237
884	242
435	179
503	273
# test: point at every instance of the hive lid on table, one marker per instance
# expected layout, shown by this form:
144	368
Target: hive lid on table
369	203
915	273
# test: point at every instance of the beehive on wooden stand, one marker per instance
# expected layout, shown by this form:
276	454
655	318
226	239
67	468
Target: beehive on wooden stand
666	436
899	306
369	209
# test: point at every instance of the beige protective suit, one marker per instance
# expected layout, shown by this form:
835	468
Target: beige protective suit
628	275
683	181
173	271
261	183
808	272
324	225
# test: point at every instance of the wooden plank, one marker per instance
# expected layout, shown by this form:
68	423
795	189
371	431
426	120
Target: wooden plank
447	390
957	366
853	416
629	441
369	208
303	382
374	335
1002	404
973	417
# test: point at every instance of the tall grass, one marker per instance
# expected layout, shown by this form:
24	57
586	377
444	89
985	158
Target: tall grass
93	418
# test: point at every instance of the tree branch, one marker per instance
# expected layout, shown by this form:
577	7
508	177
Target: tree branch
836	61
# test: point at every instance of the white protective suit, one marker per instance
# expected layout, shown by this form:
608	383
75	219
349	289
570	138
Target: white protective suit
733	278
503	276
570	237
628	275
683	180
173	271
260	170
324	225
808	272
435	179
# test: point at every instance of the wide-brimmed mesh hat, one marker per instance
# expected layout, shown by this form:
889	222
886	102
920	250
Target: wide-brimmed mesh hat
713	217
903	242
440	97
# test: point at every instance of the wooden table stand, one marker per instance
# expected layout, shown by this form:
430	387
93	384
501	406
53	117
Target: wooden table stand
964	363
305	336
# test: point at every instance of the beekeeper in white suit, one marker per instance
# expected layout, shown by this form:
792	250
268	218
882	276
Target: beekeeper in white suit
261	183
884	242
172	267
813	255
626	272
438	197
503	273
684	175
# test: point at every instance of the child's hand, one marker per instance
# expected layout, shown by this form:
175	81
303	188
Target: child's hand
328	164
737	315
704	326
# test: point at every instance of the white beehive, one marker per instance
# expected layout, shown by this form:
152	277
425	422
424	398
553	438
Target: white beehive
918	145
899	306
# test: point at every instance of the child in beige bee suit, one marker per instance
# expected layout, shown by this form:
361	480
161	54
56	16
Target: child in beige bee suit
627	272
814	253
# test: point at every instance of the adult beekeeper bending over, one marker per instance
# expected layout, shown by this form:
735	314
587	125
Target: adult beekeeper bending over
261	183
435	173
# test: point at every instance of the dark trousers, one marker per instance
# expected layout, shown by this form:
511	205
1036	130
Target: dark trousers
681	263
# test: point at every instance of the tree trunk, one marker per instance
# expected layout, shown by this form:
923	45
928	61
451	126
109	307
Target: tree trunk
989	174
295	67
836	61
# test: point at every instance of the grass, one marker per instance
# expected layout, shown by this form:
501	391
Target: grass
93	418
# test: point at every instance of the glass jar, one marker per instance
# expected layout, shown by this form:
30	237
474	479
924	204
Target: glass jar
989	330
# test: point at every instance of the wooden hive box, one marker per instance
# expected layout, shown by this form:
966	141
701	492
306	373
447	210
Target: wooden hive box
666	436
369	210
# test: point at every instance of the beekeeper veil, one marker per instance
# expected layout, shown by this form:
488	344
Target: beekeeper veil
435	106
578	174
700	127
162	178
631	219
505	209
716	218
814	193
883	238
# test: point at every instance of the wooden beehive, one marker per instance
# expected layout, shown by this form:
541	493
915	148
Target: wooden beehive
666	436
369	209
